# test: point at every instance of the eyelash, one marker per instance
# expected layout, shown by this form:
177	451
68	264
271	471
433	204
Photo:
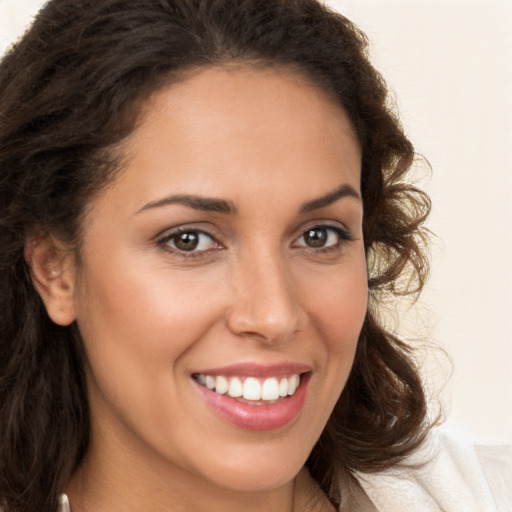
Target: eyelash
187	255
344	237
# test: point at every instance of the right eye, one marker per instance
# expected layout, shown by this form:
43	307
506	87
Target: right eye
189	242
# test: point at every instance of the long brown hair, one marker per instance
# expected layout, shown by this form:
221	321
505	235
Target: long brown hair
70	90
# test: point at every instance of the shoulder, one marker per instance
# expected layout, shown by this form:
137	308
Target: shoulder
496	463
447	474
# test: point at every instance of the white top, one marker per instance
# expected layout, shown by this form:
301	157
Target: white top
453	476
449	475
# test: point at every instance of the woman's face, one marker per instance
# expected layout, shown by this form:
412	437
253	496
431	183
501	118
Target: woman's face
227	258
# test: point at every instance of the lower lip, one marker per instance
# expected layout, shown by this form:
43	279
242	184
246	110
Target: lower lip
258	417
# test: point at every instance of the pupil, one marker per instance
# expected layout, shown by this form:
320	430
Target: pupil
316	237
187	241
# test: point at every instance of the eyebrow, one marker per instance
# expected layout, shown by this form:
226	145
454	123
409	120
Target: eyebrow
342	191
208	204
211	204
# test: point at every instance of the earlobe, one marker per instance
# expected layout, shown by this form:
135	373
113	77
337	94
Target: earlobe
53	275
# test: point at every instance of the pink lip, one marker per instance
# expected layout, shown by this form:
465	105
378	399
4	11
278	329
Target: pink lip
257	417
257	370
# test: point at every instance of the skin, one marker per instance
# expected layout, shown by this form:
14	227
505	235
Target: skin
268	142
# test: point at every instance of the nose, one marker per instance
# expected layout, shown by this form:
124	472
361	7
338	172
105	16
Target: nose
264	303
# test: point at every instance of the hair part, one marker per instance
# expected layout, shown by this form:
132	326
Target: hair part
72	89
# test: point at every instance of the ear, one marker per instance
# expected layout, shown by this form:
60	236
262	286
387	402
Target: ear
53	273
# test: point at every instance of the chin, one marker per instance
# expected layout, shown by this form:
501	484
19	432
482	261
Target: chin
254	472
259	479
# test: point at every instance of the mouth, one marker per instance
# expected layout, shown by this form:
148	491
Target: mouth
251	390
261	399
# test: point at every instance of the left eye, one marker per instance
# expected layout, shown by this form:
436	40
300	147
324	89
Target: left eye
190	241
320	237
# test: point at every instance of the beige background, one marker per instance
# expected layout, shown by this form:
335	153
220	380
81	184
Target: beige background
450	64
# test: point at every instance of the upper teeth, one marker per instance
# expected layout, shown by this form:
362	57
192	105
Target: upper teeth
251	388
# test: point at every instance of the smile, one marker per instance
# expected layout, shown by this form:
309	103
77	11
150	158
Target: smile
259	390
255	397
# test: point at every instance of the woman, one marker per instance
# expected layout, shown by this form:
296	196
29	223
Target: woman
203	204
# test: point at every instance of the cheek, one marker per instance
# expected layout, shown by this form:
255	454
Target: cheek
137	323
145	309
138	327
339	306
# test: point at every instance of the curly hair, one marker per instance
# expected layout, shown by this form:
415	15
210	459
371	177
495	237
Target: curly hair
70	90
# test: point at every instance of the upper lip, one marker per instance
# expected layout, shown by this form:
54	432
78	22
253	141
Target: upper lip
257	370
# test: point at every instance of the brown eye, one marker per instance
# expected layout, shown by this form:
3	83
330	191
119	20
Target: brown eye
186	241
323	237
316	237
189	241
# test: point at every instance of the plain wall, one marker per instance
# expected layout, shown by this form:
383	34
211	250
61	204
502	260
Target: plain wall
450	65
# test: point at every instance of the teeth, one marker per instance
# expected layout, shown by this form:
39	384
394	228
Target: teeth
221	384
283	387
293	384
235	388
251	388
270	389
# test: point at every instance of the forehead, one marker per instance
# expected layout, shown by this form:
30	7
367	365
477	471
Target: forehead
234	131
